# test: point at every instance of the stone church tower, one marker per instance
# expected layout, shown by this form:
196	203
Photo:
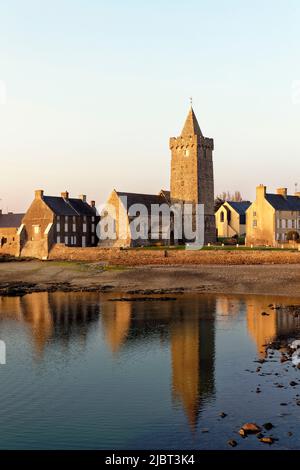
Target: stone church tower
192	175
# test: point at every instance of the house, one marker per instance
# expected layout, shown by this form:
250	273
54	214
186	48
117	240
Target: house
192	182
231	219
9	225
51	220
273	218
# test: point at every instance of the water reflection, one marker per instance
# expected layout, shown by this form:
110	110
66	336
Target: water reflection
186	326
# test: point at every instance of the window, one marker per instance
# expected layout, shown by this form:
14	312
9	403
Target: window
254	223
93	228
84	227
186	153
283	223
74	226
66	240
289	223
93	219
58	227
93	239
222	217
254	214
66	223
58	239
58	218
73	240
36	229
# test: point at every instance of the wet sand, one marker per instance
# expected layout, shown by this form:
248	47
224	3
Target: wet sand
36	276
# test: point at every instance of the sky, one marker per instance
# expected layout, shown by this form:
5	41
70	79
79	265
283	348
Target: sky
91	91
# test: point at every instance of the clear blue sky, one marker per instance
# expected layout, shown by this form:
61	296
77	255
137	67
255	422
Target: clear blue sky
96	88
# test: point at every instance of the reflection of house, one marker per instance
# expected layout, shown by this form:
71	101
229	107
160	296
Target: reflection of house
272	216
266	328
116	318
231	218
51	317
50	220
9	225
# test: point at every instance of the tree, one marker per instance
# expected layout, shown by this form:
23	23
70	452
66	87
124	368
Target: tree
227	196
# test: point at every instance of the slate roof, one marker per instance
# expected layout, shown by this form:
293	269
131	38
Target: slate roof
280	203
71	206
11	220
145	199
240	207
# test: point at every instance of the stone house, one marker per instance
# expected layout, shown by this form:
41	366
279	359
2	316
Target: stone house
231	219
271	217
54	220
9	225
192	181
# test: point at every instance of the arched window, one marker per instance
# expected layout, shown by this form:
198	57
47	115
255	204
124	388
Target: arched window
222	216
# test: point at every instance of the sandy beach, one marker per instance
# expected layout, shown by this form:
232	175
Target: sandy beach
18	278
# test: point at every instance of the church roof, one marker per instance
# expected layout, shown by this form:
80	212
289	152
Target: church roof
191	125
145	199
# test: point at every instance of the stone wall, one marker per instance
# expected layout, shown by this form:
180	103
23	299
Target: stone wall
140	257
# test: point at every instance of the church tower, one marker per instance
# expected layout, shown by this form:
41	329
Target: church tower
192	175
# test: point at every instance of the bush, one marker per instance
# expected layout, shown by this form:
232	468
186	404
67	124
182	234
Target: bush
293	235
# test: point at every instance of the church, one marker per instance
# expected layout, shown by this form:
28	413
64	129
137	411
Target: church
192	183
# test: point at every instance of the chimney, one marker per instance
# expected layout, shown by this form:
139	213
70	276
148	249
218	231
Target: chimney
82	197
282	192
0	211
39	193
261	191
93	204
65	195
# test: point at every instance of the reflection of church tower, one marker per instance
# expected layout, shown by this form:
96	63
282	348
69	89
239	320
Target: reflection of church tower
193	353
192	175
116	318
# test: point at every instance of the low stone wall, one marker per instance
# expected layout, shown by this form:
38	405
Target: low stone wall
114	256
9	248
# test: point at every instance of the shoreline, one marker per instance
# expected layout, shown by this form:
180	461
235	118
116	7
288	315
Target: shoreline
20	278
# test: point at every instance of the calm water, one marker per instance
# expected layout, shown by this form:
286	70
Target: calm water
84	372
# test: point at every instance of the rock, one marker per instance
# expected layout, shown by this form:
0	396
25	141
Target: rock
298	402
267	440
295	344
283	404
251	428
223	415
293	383
242	432
232	443
268	426
283	358
296	358
289	433
205	430
264	314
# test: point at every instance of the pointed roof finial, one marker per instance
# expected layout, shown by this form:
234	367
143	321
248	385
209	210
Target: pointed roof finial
191	101
191	126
